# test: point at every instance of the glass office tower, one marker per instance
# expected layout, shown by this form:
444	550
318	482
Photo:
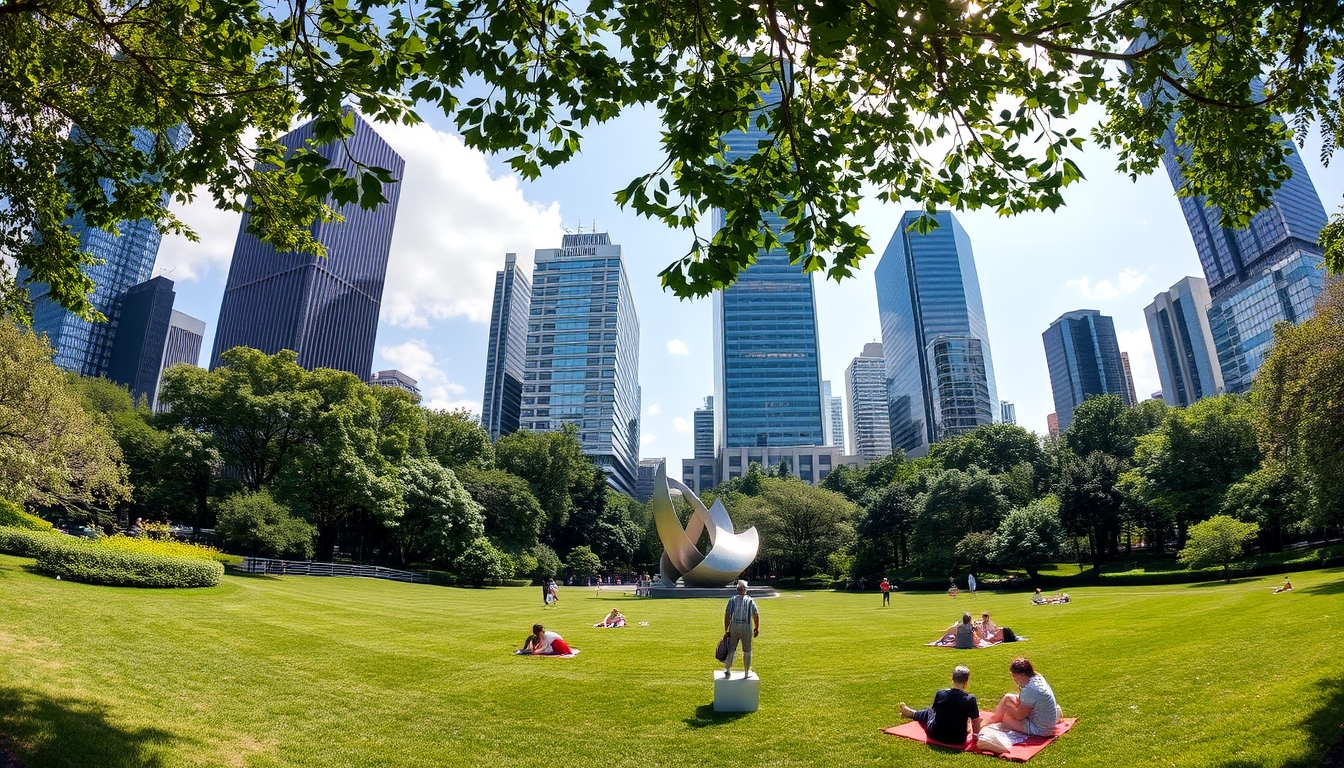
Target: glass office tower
323	308
866	385
128	259
767	365
507	351
1084	359
1178	326
582	357
935	342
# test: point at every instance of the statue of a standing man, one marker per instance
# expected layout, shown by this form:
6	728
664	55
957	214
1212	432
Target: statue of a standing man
742	622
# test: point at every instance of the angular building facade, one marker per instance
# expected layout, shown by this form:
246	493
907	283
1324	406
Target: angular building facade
507	351
82	346
866	385
698	473
1084	359
767	363
136	359
182	347
1178	325
1007	412
935	341
582	357
835	416
648	475
323	308
395	379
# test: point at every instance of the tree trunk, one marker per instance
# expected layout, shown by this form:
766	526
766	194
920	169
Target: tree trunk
1097	540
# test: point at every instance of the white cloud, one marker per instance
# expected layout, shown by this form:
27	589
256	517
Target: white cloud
647	439
415	360
455	222
655	409
1139	345
681	425
1129	281
181	259
677	347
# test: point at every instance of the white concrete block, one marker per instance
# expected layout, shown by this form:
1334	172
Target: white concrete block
738	693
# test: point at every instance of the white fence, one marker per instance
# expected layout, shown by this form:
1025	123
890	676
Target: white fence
304	568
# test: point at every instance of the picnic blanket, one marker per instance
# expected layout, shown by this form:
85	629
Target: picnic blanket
1020	753
618	623
950	641
573	652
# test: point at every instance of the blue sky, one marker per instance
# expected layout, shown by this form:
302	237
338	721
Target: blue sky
1114	246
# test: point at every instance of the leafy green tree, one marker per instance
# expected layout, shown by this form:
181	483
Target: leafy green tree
1220	540
401	424
1298	393
1270	497
187	465
582	562
991	103
1102	423
996	448
457	440
554	465
889	521
257	408
440	518
800	524
256	522
513	518
975	549
141	447
547	562
1029	537
1332	242
100	395
1090	503
481	562
956	504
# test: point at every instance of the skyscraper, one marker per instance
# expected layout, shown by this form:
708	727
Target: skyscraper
648	475
1007	412
396	380
128	259
866	385
582	356
182	347
767	366
1182	340
698	473
940	374
507	350
1267	273
1084	360
835	416
1129	379
324	309
137	349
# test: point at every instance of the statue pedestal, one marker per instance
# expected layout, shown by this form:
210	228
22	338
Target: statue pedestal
736	694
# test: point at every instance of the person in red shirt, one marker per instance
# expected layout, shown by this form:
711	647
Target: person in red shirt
885	586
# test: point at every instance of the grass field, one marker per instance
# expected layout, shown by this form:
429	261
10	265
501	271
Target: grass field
348	672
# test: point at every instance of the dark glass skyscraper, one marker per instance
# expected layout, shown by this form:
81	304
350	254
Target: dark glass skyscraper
507	351
940	374
137	349
1183	343
1084	359
767	364
128	259
582	359
324	309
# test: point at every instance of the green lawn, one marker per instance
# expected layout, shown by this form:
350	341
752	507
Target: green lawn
349	672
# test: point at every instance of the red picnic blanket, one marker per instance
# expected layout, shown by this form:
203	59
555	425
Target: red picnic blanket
1020	753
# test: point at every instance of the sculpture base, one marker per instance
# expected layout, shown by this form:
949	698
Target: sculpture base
720	592
738	693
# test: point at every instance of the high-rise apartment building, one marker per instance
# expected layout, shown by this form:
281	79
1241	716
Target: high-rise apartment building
182	347
582	358
396	380
835	416
940	375
323	308
83	346
1052	424
767	366
699	473
866	385
1007	412
648	475
507	350
1084	359
1267	273
1129	378
1178	325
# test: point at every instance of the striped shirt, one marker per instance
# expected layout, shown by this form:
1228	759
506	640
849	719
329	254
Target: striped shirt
740	609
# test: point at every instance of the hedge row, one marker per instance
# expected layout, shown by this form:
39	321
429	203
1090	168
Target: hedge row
13	516
89	562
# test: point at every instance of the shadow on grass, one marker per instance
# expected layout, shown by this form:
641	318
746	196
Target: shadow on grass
48	732
1328	588
705	716
1324	727
1220	583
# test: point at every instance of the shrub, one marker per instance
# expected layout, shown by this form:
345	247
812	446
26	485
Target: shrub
24	542
96	563
13	516
481	563
256	522
165	547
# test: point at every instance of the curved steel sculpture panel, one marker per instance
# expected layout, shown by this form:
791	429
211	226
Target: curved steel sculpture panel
729	552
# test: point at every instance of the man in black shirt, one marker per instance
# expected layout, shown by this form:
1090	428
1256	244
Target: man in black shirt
945	721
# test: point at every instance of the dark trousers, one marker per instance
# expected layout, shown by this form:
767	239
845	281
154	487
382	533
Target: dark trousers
886	598
923	716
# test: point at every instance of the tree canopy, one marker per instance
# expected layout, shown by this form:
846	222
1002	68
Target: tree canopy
110	112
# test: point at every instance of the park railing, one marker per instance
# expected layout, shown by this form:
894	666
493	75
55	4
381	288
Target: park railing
271	566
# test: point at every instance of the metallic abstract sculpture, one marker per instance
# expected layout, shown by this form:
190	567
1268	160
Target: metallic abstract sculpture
729	553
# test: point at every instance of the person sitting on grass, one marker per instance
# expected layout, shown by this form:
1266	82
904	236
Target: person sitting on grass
945	720
1287	586
952	588
543	643
1038	598
967	635
1033	710
614	619
989	631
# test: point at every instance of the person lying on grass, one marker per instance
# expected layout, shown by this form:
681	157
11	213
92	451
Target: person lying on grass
1033	710
543	643
1287	586
945	720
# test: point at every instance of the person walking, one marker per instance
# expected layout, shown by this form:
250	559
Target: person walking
741	622
970	583
885	586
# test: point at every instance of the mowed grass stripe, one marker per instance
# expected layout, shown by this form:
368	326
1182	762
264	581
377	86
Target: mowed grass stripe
347	672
